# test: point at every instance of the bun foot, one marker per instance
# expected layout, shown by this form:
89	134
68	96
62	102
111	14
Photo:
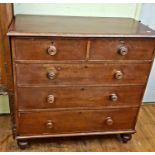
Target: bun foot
125	137
23	144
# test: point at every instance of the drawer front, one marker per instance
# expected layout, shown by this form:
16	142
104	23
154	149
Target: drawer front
122	49
78	97
84	74
50	49
53	122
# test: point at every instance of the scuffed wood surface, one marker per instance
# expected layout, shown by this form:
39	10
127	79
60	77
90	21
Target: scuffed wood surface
143	140
34	25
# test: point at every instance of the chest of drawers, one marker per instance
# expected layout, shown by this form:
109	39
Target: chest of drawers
76	76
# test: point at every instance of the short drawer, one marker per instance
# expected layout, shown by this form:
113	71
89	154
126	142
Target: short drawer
82	74
57	122
78	97
122	49
49	49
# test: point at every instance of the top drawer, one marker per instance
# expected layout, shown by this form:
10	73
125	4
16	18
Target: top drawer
122	49
49	48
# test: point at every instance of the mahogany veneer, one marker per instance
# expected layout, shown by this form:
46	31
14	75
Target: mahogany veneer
79	97
76	121
81	74
78	75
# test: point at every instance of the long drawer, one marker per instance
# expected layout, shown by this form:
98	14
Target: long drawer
78	97
82	74
42	123
50	48
122	49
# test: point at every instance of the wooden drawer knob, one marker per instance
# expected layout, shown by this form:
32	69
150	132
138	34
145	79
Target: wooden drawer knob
118	75
108	121
49	124
114	97
51	75
52	50
123	50
50	99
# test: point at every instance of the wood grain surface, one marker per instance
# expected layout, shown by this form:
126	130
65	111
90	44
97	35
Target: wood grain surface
37	25
75	121
37	48
44	49
81	74
78	97
108	49
143	140
6	15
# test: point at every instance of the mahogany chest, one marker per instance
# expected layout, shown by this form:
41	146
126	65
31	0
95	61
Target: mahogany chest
76	76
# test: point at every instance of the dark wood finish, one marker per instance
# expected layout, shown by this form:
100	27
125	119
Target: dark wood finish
35	25
110	49
23	144
78	97
6	15
65	135
75	49
78	76
81	74
6	75
125	137
100	143
39	48
76	121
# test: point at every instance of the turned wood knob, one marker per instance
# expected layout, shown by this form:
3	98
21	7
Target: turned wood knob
108	121
50	99
118	75
123	50
114	97
52	50
51	75
49	124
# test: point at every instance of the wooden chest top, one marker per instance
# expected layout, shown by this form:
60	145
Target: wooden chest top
34	25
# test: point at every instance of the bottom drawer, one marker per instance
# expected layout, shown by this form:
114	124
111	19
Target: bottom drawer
77	121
